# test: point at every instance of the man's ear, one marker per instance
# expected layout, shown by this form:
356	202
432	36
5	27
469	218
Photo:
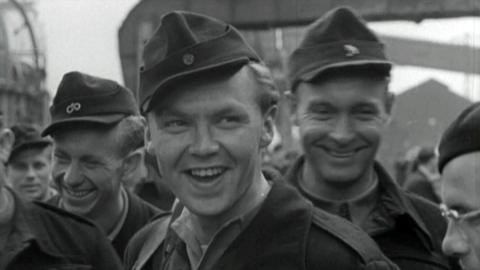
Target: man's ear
268	126
7	138
133	169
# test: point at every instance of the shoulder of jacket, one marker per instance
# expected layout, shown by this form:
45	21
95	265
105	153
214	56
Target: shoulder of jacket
140	203
144	242
60	214
424	206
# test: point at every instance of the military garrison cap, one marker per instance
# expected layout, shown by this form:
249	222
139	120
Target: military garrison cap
26	136
461	137
339	38
186	43
85	98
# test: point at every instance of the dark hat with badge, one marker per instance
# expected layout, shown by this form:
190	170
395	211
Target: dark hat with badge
26	137
461	137
85	98
186	43
338	39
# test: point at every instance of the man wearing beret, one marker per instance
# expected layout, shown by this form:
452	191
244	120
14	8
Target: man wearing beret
98	136
459	164
29	166
339	79
40	236
210	104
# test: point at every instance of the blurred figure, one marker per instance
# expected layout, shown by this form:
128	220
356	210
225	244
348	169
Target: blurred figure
424	179
29	167
459	164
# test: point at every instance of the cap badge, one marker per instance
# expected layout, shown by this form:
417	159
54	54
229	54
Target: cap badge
350	50
188	59
74	106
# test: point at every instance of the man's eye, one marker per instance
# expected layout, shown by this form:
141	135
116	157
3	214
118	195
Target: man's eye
174	123
60	158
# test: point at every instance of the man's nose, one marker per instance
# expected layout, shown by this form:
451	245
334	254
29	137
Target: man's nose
30	173
203	142
342	132
72	175
455	241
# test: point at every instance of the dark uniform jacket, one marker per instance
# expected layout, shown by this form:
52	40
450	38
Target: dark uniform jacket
46	237
138	215
280	236
415	227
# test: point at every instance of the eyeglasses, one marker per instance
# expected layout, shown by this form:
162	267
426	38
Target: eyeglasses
453	215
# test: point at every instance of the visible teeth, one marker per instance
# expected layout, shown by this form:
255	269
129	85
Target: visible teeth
209	172
78	193
342	154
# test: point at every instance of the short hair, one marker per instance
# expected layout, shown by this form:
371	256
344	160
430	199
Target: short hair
130	134
268	94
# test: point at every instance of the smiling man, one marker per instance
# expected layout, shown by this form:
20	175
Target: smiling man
98	136
339	79
29	167
210	104
35	235
459	164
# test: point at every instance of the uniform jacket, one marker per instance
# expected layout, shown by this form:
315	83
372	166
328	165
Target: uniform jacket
415	241
280	236
55	239
138	215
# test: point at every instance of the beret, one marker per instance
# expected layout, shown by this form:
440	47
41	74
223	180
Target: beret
461	137
186	43
337	39
84	98
26	136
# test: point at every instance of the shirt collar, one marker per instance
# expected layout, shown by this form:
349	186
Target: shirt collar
123	217
391	196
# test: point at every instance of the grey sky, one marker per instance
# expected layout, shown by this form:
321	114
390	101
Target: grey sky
82	35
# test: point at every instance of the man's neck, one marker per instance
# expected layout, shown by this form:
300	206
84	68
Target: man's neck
329	190
206	226
111	216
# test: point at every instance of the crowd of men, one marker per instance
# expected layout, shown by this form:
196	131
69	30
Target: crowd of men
204	117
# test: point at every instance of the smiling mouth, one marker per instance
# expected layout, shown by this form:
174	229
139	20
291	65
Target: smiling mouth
342	154
206	173
79	193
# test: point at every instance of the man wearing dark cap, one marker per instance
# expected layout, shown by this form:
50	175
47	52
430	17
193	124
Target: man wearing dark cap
210	104
339	79
98	136
459	164
29	167
40	236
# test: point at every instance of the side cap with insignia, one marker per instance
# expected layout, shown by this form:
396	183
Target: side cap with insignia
187	43
84	98
339	38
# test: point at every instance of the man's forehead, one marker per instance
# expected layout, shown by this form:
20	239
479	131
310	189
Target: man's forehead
461	181
202	85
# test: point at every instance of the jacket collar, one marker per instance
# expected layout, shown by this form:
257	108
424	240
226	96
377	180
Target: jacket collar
400	205
396	201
